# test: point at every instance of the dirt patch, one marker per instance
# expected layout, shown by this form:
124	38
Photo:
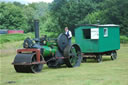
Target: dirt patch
10	48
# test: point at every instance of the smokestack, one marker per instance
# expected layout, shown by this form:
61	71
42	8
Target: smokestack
36	26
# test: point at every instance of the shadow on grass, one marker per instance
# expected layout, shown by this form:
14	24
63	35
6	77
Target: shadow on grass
46	68
60	67
94	60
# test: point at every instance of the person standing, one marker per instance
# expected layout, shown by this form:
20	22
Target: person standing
69	34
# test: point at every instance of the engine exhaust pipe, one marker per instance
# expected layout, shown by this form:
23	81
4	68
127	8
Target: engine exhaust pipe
36	26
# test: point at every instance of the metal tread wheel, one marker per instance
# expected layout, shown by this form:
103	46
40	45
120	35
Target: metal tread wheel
36	67
72	54
28	58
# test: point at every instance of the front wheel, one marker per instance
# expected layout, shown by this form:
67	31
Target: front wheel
36	68
27	58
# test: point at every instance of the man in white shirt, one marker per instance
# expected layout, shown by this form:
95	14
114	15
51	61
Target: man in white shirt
69	34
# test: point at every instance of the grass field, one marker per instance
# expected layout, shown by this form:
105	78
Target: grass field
4	38
91	73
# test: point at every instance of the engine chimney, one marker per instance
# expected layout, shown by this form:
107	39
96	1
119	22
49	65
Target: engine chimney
36	26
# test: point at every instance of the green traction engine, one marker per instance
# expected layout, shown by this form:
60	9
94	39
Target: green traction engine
39	51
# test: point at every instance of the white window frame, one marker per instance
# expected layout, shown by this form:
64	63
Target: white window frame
94	33
106	33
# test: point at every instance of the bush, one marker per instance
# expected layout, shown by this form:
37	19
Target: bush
123	39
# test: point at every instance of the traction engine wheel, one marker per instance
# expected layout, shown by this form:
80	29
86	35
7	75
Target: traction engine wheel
34	68
72	55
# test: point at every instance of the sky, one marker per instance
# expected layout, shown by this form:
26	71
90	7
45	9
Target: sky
27	1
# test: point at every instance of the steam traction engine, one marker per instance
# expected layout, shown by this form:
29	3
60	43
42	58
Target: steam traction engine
39	51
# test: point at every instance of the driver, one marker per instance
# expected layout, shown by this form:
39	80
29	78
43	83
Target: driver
69	34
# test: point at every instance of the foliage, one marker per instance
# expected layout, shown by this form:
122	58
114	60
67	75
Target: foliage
35	11
50	24
73	12
117	13
18	16
123	39
70	12
11	17
94	18
61	13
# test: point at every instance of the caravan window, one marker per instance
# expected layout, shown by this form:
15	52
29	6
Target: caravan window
87	33
92	33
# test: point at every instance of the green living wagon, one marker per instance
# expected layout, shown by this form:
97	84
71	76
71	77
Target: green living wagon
96	40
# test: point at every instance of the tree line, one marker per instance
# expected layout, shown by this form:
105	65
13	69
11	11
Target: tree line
61	13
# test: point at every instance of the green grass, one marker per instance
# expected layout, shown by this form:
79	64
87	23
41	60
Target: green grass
18	37
91	73
12	38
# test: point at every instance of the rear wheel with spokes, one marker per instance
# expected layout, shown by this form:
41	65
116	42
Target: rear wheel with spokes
72	55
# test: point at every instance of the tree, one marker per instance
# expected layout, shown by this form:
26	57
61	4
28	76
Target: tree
70	12
11	17
95	18
35	11
60	13
18	4
117	13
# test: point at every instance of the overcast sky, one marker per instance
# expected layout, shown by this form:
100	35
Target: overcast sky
27	1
